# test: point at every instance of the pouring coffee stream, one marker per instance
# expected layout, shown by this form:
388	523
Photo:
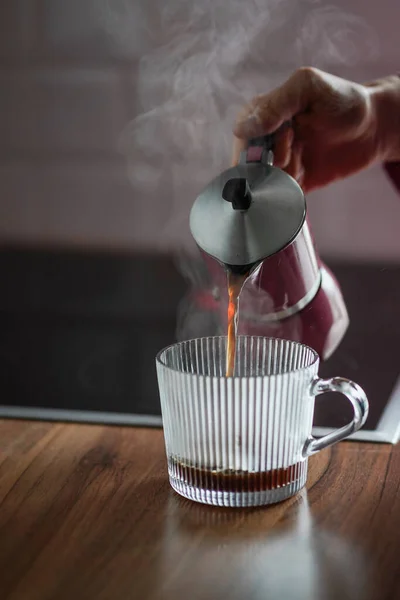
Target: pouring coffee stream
243	216
235	284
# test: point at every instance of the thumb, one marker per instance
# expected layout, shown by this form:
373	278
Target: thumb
268	112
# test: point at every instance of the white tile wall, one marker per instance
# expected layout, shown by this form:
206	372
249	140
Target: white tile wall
99	30
61	110
68	35
18	31
70	203
358	217
67	91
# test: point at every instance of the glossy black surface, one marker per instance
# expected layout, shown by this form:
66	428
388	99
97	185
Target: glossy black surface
81	330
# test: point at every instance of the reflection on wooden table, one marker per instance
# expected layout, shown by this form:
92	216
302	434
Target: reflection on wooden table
87	512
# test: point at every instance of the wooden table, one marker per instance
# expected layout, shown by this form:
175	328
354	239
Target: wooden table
86	512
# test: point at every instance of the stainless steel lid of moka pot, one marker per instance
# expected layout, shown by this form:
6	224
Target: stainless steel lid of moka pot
250	211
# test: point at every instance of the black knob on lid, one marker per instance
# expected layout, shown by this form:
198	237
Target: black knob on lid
237	192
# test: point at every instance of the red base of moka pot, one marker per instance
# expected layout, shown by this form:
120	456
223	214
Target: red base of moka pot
290	295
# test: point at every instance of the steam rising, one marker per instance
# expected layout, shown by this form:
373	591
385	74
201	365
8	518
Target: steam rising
199	61
336	38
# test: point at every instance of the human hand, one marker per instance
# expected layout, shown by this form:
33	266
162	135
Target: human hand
338	127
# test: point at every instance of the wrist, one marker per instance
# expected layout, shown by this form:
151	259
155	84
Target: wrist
385	104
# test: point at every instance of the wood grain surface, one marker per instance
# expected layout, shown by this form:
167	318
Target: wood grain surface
86	512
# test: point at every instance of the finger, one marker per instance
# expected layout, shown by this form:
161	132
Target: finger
295	167
238	147
310	126
283	147
267	112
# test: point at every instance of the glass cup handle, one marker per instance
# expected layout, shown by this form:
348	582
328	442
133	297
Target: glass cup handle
359	401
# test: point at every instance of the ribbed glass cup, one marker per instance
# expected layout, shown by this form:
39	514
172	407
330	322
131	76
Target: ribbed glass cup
243	440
